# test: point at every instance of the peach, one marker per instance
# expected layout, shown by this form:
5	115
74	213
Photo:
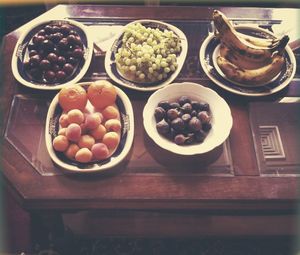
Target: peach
75	116
83	155
63	120
100	151
111	140
86	141
72	150
110	112
98	132
101	94
60	143
62	131
92	121
73	132
113	125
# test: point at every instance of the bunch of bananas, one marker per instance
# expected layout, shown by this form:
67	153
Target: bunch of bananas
246	59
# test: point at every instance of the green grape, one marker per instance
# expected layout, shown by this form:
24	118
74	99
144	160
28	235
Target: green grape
147	54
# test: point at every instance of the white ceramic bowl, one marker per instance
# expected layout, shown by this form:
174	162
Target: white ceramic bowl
127	134
221	120
21	53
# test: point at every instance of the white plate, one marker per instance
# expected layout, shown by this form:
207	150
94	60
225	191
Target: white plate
127	134
209	51
220	112
21	52
113	73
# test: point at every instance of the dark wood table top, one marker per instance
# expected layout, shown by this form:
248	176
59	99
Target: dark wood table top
149	178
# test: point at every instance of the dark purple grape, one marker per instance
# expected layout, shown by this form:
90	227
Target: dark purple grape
55	29
35	73
45	64
195	124
159	113
26	65
162	127
56	37
178	124
71	39
61	60
73	32
183	100
31	46
61	76
55	68
68	68
42	32
38	40
48	29
63	44
78	53
52	57
35	60
72	61
179	139
32	53
65	29
196	105
49	76
47	45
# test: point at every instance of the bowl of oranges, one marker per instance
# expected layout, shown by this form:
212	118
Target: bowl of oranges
89	127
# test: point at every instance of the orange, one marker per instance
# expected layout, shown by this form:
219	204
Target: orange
72	97
101	94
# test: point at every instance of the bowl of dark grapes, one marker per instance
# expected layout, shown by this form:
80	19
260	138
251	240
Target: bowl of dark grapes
146	55
187	118
52	54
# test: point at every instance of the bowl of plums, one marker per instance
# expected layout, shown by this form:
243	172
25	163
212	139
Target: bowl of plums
89	127
146	55
187	118
52	54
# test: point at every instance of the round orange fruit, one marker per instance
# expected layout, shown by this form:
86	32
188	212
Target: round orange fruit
72	97
101	94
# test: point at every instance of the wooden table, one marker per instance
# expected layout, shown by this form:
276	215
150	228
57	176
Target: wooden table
152	192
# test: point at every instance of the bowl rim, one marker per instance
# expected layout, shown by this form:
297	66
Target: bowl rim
88	53
148	119
182	57
96	167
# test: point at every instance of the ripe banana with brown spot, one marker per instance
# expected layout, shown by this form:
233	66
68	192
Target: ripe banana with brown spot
250	52
252	77
239	60
259	42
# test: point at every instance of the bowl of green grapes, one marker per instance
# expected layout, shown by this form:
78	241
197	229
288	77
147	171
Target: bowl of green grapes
146	55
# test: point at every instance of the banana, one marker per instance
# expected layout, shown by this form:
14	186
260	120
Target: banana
251	77
239	60
259	42
250	52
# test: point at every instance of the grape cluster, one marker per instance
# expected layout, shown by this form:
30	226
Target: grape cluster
147	54
54	53
183	121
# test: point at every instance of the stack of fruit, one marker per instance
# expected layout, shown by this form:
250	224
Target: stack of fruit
54	53
147	54
246	59
90	124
